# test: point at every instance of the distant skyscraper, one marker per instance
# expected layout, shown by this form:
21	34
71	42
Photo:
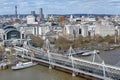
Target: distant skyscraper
16	12
41	14
33	13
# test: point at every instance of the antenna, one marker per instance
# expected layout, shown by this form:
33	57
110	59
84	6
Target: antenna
16	11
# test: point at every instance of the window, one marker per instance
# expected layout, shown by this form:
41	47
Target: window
80	31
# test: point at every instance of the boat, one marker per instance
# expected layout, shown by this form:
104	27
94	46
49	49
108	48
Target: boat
82	52
90	53
87	53
21	65
108	49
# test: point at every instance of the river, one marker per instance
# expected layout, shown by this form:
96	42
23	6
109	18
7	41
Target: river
37	73
40	72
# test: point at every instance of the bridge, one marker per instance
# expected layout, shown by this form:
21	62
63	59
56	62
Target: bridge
76	65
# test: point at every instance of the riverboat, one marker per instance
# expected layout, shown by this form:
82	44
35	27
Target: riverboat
21	65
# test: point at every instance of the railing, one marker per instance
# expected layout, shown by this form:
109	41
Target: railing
99	70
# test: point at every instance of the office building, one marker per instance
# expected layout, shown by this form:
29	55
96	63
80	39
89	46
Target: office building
41	16
33	13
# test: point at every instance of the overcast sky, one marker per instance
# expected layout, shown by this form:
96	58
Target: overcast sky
61	6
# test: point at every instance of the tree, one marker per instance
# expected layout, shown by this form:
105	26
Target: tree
99	39
2	50
109	39
37	41
62	43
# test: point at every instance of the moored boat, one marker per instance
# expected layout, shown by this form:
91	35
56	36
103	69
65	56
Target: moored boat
108	49
21	65
90	53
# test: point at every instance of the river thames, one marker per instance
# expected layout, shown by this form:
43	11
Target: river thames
37	73
41	72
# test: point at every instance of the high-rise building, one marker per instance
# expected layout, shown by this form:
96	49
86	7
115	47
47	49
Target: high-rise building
41	14
16	12
33	13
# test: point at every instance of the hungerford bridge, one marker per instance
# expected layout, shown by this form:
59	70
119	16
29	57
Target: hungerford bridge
76	65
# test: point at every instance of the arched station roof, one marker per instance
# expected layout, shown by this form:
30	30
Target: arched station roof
9	27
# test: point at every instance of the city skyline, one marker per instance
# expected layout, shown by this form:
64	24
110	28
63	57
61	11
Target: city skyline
61	6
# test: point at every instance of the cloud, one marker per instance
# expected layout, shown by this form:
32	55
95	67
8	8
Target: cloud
61	6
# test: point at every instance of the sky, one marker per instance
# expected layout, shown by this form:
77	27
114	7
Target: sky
61	6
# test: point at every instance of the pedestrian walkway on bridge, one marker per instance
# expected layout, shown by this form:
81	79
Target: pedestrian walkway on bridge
90	67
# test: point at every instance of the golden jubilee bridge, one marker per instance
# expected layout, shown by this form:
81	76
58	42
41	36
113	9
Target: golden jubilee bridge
93	66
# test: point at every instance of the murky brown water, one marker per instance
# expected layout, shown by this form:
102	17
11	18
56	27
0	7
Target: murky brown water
36	73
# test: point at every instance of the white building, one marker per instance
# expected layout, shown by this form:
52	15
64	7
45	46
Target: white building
116	18
91	19
76	30
118	30
1	33
105	28
71	18
41	30
91	30
31	20
38	30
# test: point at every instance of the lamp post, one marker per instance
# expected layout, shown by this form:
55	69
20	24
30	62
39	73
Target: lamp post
74	34
116	33
71	57
104	70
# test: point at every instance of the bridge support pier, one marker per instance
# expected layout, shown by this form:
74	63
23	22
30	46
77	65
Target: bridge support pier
50	67
74	74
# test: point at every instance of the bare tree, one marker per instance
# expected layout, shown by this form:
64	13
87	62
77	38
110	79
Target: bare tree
37	41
